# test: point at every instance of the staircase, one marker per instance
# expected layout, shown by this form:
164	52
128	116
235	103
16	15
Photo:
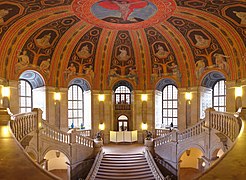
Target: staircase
124	166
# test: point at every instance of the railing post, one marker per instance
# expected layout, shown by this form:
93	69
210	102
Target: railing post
149	143
38	127
97	144
207	117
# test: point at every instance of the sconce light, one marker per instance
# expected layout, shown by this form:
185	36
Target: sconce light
144	126
188	152
57	96
203	164
58	154
144	97
101	126
5	91
238	91
101	97
188	96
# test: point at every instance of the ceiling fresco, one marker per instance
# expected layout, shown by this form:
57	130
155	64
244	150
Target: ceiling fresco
139	41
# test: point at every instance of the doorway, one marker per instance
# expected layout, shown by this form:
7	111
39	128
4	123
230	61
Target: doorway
123	123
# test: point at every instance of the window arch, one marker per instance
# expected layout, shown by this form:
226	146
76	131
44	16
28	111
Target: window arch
219	96
32	92
25	95
122	95
213	92
79	104
166	104
75	106
170	106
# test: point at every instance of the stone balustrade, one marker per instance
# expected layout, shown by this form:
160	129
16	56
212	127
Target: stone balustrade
95	167
83	140
195	130
155	170
84	132
161	132
226	123
55	134
168	137
23	124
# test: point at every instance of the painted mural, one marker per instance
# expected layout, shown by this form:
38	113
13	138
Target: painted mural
123	63
142	41
164	63
38	50
82	59
208	54
124	12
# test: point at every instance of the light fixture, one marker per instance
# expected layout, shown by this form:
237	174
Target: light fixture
144	126
101	97
238	91
58	154
57	96
144	97
101	126
5	91
188	152
188	96
203	164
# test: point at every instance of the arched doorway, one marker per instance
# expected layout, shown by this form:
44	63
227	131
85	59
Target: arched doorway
57	163
123	124
190	164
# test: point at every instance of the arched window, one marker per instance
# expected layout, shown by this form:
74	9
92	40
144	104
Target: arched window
170	106
213	92
25	94
122	98
79	104
75	106
32	93
219	96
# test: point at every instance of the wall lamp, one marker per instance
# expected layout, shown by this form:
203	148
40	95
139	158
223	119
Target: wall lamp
144	97
144	126
101	97
5	91
57	96
188	96
238	91
101	126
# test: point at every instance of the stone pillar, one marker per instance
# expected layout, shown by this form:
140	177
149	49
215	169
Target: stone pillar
230	96
14	97
181	109
64	109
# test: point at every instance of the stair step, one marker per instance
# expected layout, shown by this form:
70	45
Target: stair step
123	159
124	170
124	162
124	155
124	167
116	174
149	177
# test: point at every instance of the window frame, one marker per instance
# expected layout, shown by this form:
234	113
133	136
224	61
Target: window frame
25	96
167	108
219	96
123	95
75	110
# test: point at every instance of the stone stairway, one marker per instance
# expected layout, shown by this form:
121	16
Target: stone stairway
124	166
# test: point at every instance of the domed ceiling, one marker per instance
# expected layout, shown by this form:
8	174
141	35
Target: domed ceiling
140	41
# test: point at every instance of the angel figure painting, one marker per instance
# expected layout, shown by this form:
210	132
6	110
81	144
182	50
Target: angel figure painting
124	11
